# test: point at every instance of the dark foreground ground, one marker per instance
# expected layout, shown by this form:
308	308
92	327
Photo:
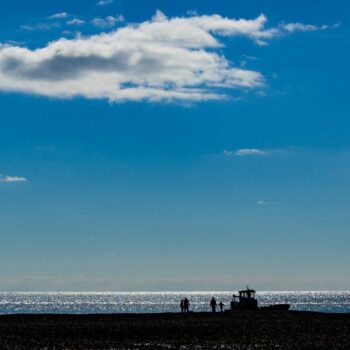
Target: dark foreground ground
241	330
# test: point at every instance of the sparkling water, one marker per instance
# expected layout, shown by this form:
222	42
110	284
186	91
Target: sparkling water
148	302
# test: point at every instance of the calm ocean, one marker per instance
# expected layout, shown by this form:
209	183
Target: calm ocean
146	302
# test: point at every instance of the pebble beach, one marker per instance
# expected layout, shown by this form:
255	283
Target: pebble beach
239	330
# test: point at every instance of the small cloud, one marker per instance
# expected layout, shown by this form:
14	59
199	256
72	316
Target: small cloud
260	42
26	27
59	15
67	32
262	202
243	63
252	58
256	152
228	153
301	27
192	13
75	22
11	179
159	17
104	2
41	26
244	152
15	42
75	34
107	22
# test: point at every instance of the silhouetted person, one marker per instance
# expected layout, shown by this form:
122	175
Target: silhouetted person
182	305
186	304
221	304
213	304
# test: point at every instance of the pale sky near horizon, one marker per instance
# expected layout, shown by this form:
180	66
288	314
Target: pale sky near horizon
174	145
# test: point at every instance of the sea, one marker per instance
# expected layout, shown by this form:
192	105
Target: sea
155	302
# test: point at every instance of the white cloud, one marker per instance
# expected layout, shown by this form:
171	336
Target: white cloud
301	27
262	202
251	152
59	15
40	26
159	17
258	152
192	13
26	27
75	22
15	42
251	58
104	2
10	179
244	152
228	153
69	33
107	22
294	27
164	59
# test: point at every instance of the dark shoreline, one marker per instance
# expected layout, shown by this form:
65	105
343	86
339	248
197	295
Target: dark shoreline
239	330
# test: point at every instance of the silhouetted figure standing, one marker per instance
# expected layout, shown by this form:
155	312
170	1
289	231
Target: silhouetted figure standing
186	305
221	304
182	305
213	304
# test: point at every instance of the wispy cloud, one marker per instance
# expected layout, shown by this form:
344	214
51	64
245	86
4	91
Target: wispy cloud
252	58
246	152
104	2
75	22
251	152
162	59
40	26
15	42
11	179
301	27
75	34
107	22
259	152
59	15
53	23
192	13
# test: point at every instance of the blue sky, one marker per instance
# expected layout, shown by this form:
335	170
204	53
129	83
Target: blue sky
230	166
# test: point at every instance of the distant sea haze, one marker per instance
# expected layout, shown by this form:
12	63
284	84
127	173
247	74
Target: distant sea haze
153	302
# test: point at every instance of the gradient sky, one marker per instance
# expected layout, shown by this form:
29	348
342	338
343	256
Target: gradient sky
251	187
